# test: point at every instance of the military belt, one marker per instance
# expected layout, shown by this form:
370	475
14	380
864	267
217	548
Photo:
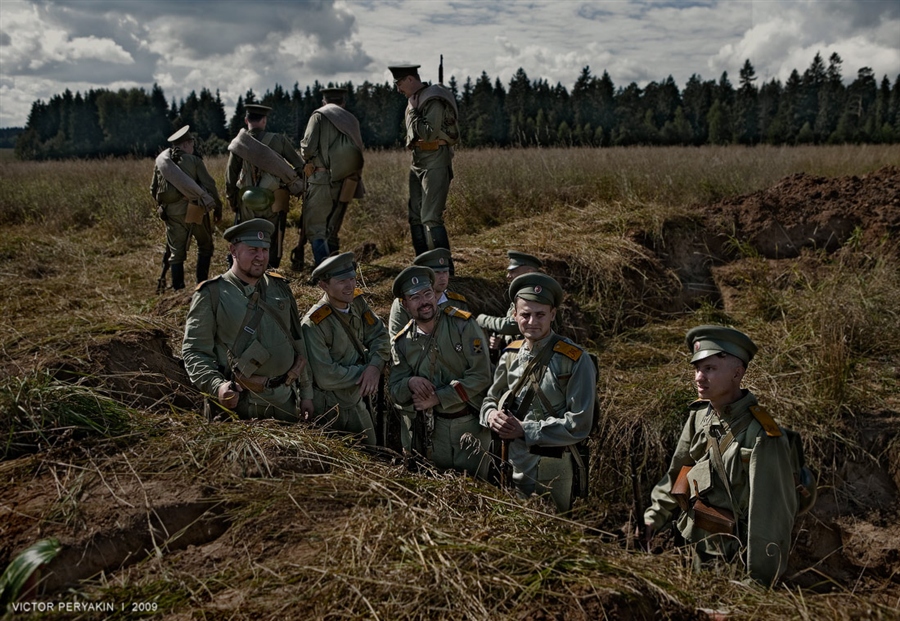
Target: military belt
548	451
430	145
452	415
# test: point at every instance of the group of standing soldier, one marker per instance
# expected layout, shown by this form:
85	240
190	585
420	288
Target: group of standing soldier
248	348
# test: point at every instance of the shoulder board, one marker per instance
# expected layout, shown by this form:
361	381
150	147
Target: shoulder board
459	297
369	318
768	423
514	346
274	274
321	313
698	404
457	312
206	283
357	292
404	329
568	350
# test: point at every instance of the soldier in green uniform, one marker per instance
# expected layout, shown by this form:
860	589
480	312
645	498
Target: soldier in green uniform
432	128
503	330
439	261
736	459
261	175
333	150
181	184
348	348
243	343
542	397
440	376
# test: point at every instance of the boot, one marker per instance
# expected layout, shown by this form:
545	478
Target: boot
419	238
440	240
203	268
177	270
320	250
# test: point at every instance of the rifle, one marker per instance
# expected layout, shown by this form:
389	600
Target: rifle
282	226
441	71
161	283
298	252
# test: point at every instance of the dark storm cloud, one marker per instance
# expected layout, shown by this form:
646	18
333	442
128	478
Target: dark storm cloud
4	39
861	15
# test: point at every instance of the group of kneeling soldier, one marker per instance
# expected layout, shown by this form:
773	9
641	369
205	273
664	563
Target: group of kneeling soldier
248	348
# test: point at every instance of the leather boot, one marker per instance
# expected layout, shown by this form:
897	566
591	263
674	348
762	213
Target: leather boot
203	268
440	240
177	270
320	250
419	238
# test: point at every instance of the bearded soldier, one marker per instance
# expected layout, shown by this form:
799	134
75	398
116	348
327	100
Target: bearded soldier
263	171
185	194
333	150
438	260
243	344
348	348
440	375
432	128
542	400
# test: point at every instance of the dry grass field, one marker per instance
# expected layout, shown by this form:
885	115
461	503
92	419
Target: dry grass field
162	515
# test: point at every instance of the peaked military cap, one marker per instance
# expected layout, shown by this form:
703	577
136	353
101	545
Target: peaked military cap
338	266
256	232
412	280
257	109
536	287
522	259
181	135
334	93
706	341
401	71
437	259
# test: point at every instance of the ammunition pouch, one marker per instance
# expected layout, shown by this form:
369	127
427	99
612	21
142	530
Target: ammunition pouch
253	357
690	484
195	214
280	200
348	189
713	519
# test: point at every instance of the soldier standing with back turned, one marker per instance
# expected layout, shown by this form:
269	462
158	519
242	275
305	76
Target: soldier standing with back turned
263	171
333	150
432	128
185	193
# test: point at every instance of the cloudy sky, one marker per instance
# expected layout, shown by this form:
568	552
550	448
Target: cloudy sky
47	46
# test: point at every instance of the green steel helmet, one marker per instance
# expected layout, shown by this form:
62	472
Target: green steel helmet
257	200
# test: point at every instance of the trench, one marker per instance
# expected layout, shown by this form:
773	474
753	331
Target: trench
164	529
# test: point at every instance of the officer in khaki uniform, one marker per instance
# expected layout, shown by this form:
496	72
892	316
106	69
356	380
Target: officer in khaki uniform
348	348
440	375
729	437
252	191
243	344
501	330
174	205
439	261
333	150
432	128
542	424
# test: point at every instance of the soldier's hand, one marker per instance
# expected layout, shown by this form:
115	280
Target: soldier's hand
505	425
495	342
368	381
420	387
424	404
306	409
228	394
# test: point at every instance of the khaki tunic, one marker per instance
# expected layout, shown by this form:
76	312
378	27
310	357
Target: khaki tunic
760	473
179	232
399	317
570	384
337	156
210	335
454	359
431	170
337	365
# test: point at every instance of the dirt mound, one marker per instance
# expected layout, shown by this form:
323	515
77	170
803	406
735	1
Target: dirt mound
803	211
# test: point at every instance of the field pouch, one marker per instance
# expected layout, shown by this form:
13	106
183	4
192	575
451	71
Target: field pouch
253	357
713	519
281	201
194	214
348	189
681	492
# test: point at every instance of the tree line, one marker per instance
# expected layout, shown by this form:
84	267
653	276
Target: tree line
813	107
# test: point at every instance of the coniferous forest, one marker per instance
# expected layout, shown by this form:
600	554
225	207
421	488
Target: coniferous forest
812	107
